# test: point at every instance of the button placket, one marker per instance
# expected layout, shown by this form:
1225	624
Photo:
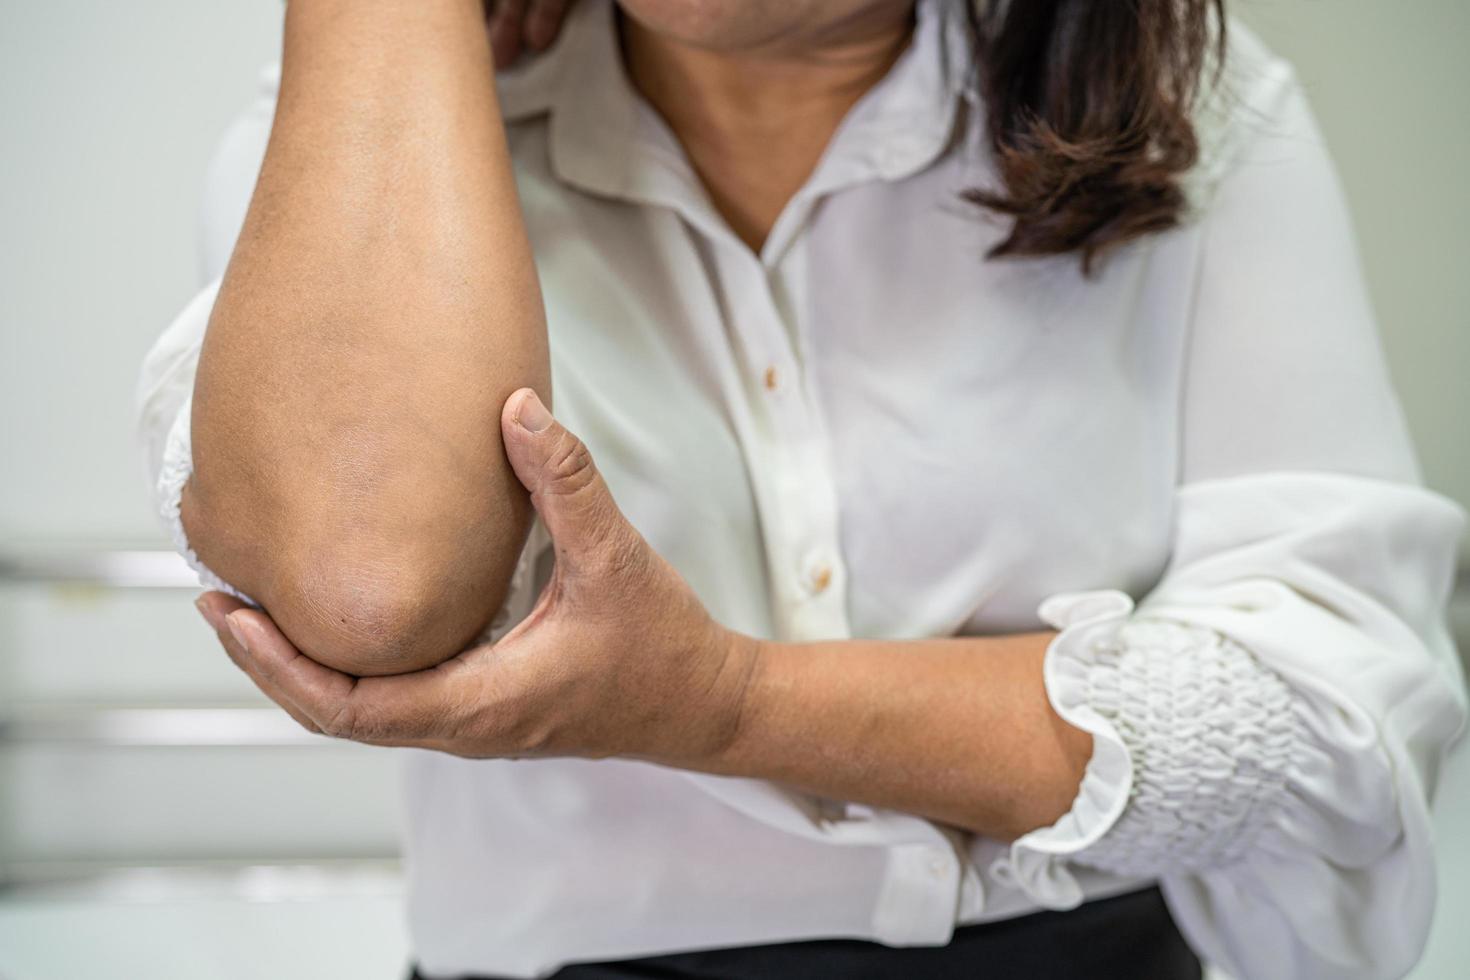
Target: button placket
798	493
784	439
819	571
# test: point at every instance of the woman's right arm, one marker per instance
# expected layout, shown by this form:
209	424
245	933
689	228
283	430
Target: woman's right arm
379	307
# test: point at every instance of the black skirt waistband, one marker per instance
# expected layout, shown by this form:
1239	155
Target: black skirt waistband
1125	937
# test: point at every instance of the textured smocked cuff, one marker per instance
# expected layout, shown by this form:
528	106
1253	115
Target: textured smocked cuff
1037	861
178	463
1194	742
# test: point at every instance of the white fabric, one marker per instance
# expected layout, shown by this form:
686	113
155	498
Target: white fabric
1208	736
1194	467
1300	815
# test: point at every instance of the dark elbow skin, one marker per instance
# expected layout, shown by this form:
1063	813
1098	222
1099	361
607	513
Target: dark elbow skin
366	611
418	621
367	634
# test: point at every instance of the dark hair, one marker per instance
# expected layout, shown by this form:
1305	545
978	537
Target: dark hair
1089	108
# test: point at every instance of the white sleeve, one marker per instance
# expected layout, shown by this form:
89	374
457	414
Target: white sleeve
165	403
229	180
1270	720
165	386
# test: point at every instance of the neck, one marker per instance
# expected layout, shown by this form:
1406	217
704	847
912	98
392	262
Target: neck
754	121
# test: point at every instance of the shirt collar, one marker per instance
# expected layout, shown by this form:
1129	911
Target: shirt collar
606	140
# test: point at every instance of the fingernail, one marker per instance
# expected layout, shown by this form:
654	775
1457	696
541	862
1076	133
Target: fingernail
532	415
237	629
207	611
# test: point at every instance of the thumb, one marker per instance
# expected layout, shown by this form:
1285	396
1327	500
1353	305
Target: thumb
566	488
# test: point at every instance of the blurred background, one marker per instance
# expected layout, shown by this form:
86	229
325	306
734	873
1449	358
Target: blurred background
156	816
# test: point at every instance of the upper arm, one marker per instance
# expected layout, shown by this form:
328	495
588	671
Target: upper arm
1286	368
1270	720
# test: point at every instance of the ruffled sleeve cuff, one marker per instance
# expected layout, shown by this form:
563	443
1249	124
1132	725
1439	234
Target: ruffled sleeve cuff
1193	739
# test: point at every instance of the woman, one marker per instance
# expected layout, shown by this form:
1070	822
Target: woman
1003	552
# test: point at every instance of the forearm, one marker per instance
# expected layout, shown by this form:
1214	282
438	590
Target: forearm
958	730
380	305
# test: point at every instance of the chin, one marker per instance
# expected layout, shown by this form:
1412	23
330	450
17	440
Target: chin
728	25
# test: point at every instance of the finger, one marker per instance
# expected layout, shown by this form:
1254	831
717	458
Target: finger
507	21
543	22
404	709
215	606
264	652
566	488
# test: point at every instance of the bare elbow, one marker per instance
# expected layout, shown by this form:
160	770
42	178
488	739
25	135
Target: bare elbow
363	606
386	613
377	618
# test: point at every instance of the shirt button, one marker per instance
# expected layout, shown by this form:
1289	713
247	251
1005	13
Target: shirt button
821	578
770	378
938	868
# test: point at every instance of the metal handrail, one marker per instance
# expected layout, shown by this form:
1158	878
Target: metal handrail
253	881
129	726
154	727
103	568
145	568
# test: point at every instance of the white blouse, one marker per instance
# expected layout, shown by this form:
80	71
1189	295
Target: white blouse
1194	466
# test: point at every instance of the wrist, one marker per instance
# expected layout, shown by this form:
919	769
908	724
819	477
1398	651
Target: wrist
738	658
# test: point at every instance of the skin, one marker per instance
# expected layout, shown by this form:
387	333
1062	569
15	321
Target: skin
379	307
619	657
755	89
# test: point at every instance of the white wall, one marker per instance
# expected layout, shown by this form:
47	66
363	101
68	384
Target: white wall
108	113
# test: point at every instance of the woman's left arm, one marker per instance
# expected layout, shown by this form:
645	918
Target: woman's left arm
958	730
619	658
